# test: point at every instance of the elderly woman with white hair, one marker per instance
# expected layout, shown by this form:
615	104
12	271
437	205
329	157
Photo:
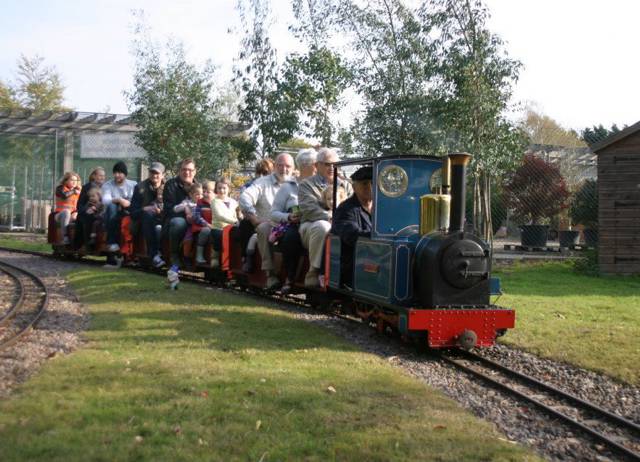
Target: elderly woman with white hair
285	214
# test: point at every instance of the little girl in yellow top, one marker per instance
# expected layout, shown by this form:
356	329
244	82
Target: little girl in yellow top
224	212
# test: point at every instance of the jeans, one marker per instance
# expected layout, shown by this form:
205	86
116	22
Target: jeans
213	236
291	247
148	222
177	229
112	216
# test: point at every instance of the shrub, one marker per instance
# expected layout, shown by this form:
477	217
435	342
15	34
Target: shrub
536	191
584	206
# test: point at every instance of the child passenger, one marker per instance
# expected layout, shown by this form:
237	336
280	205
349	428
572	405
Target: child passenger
225	212
202	222
67	195
96	208
188	206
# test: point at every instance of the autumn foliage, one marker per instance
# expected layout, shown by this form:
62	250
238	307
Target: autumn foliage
536	191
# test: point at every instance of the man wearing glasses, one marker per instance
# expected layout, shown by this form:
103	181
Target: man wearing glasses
315	211
175	191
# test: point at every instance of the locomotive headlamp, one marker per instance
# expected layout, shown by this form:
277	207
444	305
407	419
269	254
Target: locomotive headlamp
393	181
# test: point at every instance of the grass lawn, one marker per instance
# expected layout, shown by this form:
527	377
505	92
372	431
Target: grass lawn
590	321
202	374
32	242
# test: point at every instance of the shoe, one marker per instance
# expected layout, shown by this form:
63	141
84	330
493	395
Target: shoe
173	277
158	262
200	255
311	279
286	288
272	282
247	265
113	248
215	259
65	240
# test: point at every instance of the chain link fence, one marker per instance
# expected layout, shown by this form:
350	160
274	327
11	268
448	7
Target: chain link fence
32	166
548	202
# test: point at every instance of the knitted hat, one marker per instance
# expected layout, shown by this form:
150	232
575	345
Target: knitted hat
121	167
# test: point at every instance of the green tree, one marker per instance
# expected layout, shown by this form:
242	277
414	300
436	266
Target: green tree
267	104
172	104
475	83
394	66
597	133
314	83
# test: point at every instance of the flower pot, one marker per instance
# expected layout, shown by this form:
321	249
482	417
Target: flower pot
568	238
534	235
590	237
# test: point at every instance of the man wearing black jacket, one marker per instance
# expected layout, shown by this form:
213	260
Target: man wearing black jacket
175	191
146	210
352	219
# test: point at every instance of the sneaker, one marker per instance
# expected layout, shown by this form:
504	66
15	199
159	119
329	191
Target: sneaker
272	282
247	265
311	279
286	288
158	262
113	248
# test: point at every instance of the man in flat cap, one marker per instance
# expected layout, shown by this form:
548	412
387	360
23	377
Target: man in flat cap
116	197
352	219
146	211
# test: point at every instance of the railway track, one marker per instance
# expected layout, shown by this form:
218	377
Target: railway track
30	300
609	429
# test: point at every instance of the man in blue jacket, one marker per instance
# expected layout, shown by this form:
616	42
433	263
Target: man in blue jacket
352	219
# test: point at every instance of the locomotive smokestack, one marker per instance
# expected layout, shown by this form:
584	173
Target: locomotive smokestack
459	162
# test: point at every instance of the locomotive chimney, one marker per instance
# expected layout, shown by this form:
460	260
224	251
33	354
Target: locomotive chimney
459	162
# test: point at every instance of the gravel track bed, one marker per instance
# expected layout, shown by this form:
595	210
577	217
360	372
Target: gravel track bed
518	421
58	330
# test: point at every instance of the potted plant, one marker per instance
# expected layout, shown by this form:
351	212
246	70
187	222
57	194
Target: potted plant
584	211
536	192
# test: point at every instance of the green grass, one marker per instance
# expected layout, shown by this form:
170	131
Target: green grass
202	374
590	321
31	242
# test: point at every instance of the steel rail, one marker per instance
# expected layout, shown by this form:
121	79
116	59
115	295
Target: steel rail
41	307
19	301
632	455
605	413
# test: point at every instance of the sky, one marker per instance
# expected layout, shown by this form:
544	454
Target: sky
579	57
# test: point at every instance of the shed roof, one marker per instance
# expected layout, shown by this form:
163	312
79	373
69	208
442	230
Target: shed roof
608	141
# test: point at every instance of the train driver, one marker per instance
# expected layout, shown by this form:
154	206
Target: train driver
352	219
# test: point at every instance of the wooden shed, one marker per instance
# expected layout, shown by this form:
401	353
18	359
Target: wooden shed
619	201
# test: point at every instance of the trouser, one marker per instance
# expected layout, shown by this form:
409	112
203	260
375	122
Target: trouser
291	247
63	218
263	230
148	224
210	236
84	227
245	231
177	229
112	216
313	234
